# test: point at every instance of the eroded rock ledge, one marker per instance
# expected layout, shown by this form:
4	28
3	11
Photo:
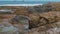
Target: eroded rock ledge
39	19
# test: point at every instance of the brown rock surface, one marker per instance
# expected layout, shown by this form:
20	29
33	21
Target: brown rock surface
41	19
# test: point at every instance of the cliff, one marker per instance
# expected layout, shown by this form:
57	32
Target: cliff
42	19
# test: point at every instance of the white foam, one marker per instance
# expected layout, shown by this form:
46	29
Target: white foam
20	4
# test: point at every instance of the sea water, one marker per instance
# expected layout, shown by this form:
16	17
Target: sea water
21	2
14	3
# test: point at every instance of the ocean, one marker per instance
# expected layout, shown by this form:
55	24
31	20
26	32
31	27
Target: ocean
22	2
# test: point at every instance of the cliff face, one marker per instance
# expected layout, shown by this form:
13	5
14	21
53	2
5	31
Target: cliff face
47	21
35	19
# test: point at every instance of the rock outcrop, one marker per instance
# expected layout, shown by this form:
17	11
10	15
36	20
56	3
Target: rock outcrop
42	19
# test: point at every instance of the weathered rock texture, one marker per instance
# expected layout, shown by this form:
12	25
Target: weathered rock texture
42	19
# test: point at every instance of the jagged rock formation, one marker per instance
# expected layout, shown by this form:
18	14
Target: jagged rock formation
49	20
34	19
